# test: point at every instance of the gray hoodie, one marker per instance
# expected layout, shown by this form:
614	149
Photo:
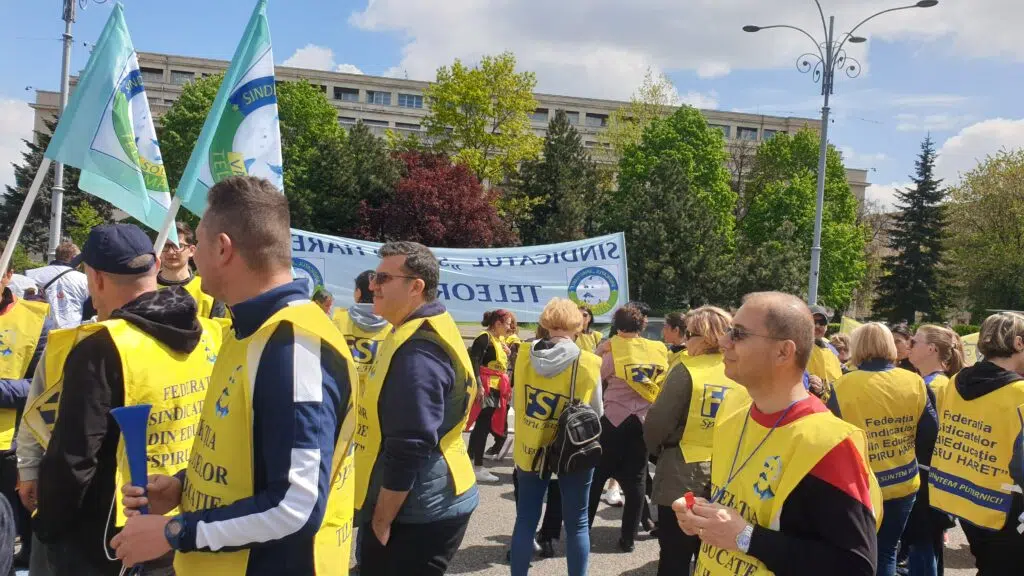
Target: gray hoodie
363	316
552	357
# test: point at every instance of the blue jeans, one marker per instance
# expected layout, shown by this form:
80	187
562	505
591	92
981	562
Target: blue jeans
575	491
894	520
924	559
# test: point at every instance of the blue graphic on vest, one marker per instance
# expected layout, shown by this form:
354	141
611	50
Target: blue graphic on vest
644	373
211	356
543	405
7	339
769	476
714	394
222	407
364	350
48	410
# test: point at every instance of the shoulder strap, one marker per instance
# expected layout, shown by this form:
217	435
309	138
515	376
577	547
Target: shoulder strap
55	278
572	384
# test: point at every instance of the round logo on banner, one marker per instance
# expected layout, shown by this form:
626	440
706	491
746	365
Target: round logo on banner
308	270
596	287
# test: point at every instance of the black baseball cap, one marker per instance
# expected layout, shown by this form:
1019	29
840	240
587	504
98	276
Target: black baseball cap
110	248
819	311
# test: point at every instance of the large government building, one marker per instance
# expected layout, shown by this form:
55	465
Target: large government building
398	105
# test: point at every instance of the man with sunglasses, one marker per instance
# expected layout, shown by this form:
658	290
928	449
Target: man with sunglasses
415	485
175	271
791	489
824	362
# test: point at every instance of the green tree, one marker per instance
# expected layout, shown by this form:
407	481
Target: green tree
480	116
655	98
83	217
675	206
561	187
783	187
776	263
36	234
985	243
912	273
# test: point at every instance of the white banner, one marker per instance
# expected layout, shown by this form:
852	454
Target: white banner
475	280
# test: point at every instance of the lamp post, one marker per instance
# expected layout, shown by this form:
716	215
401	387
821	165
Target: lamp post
829	56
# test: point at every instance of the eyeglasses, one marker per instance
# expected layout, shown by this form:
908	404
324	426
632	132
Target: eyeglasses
172	248
738	334
821	322
382	278
687	335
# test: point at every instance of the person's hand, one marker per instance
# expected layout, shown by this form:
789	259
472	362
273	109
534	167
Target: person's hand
815	386
382	532
717	525
27	493
685	517
162	494
142	539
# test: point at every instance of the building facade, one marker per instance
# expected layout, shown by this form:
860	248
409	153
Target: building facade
399	105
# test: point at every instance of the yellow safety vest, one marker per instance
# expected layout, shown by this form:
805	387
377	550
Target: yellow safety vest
500	362
368	435
539	401
642	363
220	471
512	340
588	341
759	489
20	329
676	358
173	383
970	474
887	406
824	364
938	386
204	302
361	343
710	387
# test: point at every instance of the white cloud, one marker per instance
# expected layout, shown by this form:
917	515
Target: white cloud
854	159
602	48
931	122
884	195
964	151
701	101
313	57
16	120
930	100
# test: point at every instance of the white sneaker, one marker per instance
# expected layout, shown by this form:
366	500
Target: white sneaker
612	497
483	475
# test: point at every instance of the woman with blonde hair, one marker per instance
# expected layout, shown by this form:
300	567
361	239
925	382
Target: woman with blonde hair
841	342
976	473
678	430
891	405
937	353
550	373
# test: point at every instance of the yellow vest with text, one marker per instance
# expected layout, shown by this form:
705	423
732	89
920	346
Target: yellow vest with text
20	329
539	401
368	436
220	471
642	363
760	488
710	387
588	341
824	364
362	344
887	405
174	383
970	474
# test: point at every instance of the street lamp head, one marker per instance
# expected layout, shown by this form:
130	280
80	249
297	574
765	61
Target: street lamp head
752	28
927	3
857	40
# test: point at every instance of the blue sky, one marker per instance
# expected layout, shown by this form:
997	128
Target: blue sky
954	70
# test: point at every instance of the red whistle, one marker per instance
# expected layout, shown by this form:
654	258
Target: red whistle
690	501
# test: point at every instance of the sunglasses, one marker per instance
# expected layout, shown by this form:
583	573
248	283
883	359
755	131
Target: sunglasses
821	322
687	335
382	278
739	334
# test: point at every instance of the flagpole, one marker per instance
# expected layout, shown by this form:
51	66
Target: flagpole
165	229
19	224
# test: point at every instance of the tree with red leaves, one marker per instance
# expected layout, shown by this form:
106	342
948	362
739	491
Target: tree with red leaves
439	204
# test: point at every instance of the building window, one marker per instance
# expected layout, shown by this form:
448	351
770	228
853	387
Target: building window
597	120
724	129
574	117
180	77
152	75
410	100
539	115
767	134
346	120
376	122
405	126
380	98
323	88
746	133
346	94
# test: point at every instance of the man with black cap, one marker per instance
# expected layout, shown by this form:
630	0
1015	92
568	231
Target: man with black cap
824	361
148	347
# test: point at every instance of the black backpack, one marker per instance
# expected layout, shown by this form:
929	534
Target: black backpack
577	444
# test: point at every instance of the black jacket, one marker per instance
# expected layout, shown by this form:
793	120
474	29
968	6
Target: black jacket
76	475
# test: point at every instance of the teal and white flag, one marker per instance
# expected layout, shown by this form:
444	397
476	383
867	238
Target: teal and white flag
241	135
107	131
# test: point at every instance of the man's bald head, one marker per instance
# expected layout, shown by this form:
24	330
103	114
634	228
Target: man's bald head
786	317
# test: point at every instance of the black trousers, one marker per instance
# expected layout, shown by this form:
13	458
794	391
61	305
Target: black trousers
8	488
551	525
677	549
478	437
425	549
623	457
996	553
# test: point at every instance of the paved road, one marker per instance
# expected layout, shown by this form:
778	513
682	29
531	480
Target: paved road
490	531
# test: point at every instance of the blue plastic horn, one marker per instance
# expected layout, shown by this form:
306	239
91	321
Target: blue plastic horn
133	421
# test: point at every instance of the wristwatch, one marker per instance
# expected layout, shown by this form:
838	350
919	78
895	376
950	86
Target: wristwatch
743	538
173	531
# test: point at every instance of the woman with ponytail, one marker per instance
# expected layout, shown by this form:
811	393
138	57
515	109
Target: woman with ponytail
937	353
490	357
